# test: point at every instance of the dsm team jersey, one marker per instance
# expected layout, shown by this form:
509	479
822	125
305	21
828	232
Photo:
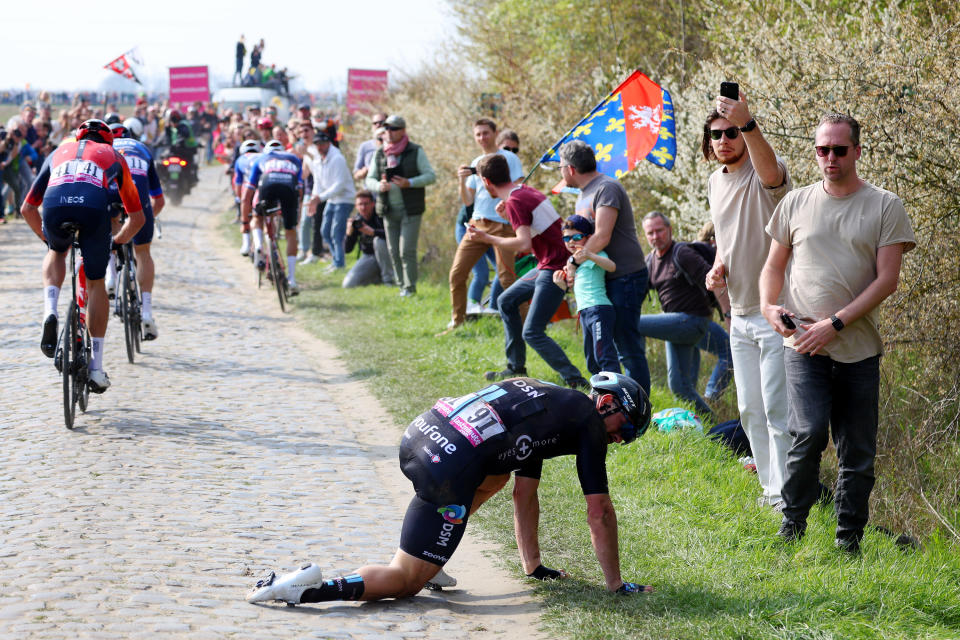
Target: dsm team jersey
274	168
144	172
509	426
80	174
241	169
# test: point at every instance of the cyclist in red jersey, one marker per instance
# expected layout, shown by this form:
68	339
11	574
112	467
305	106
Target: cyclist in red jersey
73	186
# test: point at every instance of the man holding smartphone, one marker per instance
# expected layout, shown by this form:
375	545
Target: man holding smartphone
743	193
471	249
846	238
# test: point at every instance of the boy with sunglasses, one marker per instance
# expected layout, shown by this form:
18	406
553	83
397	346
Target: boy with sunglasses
586	273
743	192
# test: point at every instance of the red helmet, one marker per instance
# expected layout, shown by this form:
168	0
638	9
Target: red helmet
264	123
96	130
119	130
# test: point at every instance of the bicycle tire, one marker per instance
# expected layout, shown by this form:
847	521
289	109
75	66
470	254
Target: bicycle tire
279	279
83	361
137	305
68	342
126	311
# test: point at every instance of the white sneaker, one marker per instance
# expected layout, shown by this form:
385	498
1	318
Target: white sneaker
474	308
487	311
149	328
245	248
310	259
287	588
97	380
440	580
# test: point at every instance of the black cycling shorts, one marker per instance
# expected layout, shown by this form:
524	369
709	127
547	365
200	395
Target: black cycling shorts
145	234
431	531
287	197
94	235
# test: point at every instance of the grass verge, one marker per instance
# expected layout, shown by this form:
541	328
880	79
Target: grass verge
688	519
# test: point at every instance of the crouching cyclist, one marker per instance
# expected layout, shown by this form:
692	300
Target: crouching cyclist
73	185
144	173
461	452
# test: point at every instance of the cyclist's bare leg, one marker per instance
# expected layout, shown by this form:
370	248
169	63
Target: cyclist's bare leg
54	268
405	576
144	267
98	308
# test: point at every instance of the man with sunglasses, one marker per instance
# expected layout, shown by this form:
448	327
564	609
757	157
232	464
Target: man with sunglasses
368	147
399	173
846	238
461	452
742	193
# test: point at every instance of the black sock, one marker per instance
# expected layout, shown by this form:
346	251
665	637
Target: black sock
545	573
344	588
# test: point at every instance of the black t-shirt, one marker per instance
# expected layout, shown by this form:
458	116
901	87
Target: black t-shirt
675	293
509	426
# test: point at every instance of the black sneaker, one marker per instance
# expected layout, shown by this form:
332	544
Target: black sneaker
849	545
48	343
494	376
579	383
791	531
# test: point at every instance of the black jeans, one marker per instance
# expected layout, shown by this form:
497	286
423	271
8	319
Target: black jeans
843	397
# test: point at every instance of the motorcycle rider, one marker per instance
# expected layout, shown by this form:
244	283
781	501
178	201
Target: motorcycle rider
178	136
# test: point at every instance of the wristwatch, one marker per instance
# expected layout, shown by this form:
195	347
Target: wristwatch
836	322
750	126
572	261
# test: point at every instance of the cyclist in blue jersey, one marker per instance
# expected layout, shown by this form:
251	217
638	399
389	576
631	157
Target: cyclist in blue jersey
144	173
249	150
277	176
461	452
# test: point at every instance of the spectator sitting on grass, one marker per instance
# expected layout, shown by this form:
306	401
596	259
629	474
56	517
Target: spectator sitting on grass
586	273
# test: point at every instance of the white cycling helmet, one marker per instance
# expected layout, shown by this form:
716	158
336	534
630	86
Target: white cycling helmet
134	126
249	146
273	145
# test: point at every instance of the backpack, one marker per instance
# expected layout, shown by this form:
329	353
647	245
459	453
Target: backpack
709	253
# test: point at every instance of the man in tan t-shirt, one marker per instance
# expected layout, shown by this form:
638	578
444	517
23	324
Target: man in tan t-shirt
846	238
743	192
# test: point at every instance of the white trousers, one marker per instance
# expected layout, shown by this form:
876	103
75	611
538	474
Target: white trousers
761	379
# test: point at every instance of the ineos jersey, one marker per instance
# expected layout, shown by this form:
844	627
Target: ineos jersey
509	426
81	174
275	167
144	172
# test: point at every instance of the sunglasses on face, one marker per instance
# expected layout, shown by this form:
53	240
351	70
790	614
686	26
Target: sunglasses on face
512	149
731	133
839	151
577	237
389	128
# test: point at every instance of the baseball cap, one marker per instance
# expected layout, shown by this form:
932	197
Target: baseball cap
581	224
396	121
321	136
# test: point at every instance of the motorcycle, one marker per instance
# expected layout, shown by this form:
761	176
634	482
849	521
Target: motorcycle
176	173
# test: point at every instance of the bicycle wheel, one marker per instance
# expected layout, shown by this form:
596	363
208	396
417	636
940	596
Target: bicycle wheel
68	341
279	279
83	361
126	307
137	308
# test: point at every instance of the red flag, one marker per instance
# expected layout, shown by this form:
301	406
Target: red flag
121	66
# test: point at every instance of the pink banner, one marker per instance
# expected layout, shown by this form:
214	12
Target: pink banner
189	84
365	88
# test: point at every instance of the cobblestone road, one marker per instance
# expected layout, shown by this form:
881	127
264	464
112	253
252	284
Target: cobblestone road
222	452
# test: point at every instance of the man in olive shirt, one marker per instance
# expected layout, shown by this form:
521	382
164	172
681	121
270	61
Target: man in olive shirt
398	174
743	192
847	239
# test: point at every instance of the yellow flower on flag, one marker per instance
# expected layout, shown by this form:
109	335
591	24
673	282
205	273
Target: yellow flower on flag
596	113
583	130
615	124
603	151
662	155
665	134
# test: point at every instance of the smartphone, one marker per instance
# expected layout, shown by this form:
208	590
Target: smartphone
390	172
730	90
473	170
787	321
